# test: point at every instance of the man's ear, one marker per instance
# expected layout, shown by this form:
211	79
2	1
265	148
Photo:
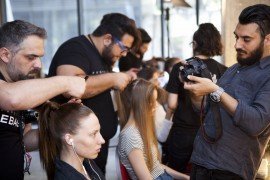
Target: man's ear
5	54
107	40
267	40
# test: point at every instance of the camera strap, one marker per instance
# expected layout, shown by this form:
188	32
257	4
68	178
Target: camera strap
214	107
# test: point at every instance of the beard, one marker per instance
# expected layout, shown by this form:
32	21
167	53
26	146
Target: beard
255	56
108	56
16	75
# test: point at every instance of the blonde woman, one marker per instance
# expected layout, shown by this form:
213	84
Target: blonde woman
137	146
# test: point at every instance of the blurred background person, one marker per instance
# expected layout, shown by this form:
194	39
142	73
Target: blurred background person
134	58
69	138
206	43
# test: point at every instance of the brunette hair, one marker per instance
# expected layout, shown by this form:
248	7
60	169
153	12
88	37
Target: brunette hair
54	122
138	97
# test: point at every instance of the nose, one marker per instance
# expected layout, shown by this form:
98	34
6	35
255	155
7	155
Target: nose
238	44
101	140
37	64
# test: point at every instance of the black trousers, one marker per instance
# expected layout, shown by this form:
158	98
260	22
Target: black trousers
202	173
180	146
101	160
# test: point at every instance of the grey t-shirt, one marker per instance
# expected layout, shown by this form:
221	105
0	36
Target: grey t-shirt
129	140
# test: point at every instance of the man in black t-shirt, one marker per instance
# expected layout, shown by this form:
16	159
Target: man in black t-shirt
93	55
21	47
186	117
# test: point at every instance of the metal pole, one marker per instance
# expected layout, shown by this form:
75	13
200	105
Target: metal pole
80	16
197	12
168	30
3	15
162	27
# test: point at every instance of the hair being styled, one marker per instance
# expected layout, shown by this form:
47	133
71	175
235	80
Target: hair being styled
13	33
117	25
138	97
207	41
145	38
54	122
259	14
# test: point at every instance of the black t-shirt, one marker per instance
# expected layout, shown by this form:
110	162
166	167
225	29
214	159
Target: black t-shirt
11	147
184	116
80	52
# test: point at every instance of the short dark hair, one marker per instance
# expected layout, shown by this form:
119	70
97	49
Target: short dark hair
13	33
117	25
207	40
147	73
145	38
259	14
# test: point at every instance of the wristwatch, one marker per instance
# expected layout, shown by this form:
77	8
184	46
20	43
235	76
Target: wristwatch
215	96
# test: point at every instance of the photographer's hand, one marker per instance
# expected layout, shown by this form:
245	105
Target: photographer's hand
200	86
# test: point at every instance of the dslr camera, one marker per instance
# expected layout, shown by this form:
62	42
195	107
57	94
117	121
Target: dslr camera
195	67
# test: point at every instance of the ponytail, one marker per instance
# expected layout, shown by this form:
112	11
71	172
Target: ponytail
48	147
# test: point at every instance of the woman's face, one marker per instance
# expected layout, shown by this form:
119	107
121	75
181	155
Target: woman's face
88	140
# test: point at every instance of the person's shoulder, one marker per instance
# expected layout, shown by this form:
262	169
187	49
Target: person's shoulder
79	40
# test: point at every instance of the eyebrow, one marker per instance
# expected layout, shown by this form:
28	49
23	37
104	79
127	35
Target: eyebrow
241	36
34	55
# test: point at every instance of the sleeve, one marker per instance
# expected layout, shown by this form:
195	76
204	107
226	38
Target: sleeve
72	53
133	140
163	132
255	118
174	83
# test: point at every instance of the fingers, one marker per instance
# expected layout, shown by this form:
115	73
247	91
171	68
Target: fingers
75	100
194	78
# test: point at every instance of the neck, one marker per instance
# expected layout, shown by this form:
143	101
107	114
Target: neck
202	56
70	157
97	42
131	120
3	70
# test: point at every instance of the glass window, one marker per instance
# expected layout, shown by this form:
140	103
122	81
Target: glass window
60	19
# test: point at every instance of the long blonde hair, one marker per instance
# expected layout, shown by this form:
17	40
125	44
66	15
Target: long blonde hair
138	97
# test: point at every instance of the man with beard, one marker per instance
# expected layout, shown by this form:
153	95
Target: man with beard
21	47
93	55
235	149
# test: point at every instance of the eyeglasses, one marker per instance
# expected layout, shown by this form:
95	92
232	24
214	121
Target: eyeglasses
121	45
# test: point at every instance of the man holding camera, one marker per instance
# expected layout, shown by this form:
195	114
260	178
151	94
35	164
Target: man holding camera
242	95
21	47
186	119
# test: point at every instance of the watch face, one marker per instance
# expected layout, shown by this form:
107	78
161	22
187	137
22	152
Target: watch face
214	97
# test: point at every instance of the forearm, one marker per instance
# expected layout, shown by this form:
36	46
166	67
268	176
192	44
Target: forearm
98	84
175	174
228	103
28	94
169	113
30	140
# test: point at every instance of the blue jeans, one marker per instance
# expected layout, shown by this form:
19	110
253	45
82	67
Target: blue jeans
164	176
